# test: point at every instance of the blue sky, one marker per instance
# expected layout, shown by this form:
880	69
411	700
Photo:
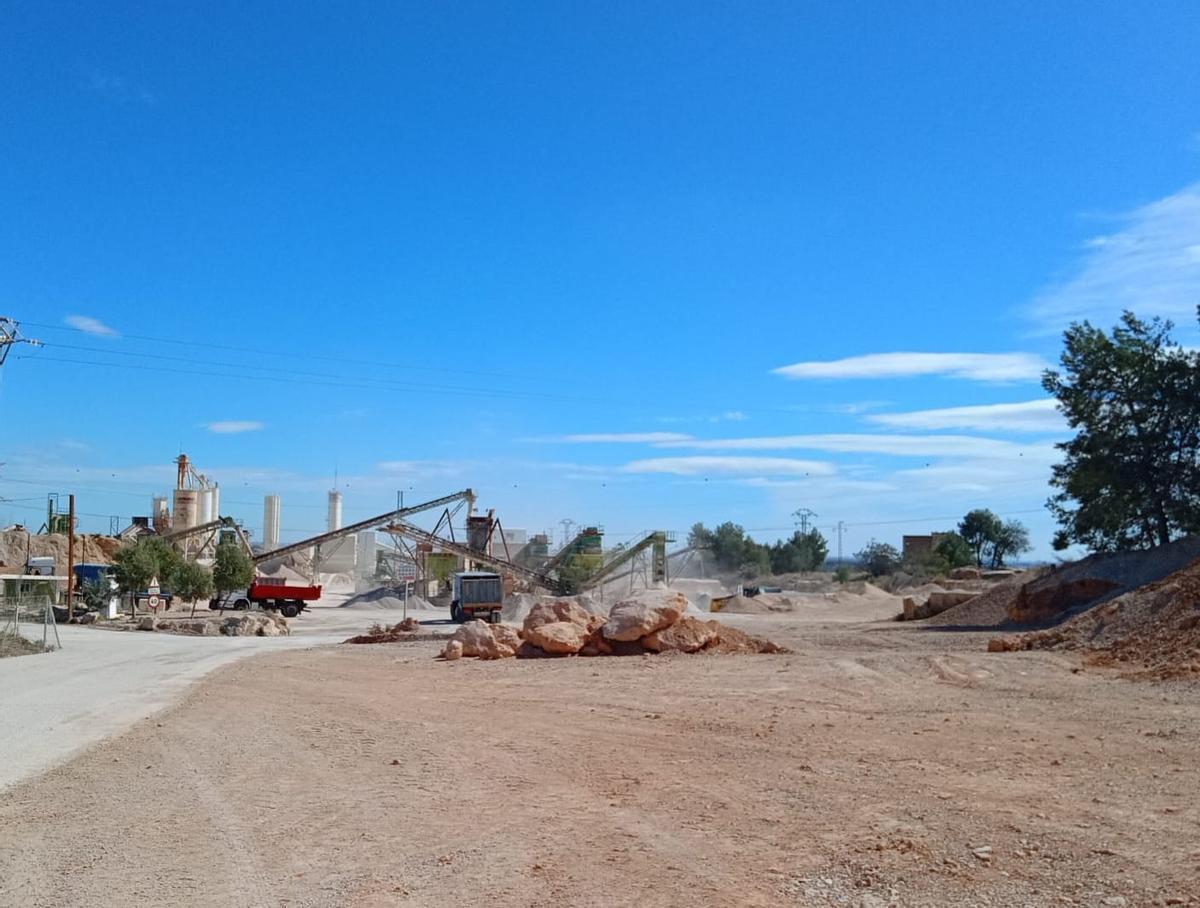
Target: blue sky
638	265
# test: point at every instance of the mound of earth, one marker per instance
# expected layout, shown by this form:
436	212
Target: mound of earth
1152	631
745	605
18	545
385	599
989	608
407	629
1055	594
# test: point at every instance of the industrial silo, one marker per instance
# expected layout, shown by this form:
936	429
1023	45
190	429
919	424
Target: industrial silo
186	509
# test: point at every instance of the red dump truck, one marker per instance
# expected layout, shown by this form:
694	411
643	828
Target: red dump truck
269	594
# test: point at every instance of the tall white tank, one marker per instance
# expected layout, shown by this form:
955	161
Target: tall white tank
187	506
334	521
204	514
364	554
216	501
270	523
160	514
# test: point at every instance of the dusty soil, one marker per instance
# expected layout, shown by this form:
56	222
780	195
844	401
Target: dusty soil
879	764
17	645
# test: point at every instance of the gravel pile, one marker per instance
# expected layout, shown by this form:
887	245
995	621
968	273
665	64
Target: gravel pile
989	608
1150	632
1124	570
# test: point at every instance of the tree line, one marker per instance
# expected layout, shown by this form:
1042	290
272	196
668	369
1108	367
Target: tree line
134	566
734	551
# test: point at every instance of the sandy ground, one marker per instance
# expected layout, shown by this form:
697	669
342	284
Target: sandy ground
879	764
100	682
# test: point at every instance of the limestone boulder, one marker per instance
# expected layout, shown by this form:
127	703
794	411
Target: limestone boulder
687	635
477	639
561	637
644	614
453	650
528	651
555	612
506	636
940	600
146	623
255	624
596	645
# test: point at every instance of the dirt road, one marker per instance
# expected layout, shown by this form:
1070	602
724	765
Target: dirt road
53	705
877	765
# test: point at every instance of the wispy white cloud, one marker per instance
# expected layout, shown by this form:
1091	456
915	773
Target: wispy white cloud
987	367
824	485
118	88
726	416
90	325
411	469
619	438
856	407
233	426
1151	266
866	443
1027	416
700	465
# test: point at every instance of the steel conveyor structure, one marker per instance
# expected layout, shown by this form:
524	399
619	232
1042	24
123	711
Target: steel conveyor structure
372	523
402	528
656	539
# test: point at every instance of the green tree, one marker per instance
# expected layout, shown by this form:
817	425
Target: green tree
96	592
979	528
135	565
232	569
191	582
729	547
878	558
699	537
756	560
1130	478
813	548
956	550
1013	539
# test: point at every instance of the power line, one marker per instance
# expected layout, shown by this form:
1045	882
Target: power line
302	378
266	352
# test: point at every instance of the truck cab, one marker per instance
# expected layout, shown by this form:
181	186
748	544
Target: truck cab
477	594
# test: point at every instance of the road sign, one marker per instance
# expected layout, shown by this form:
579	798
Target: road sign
152	602
153	589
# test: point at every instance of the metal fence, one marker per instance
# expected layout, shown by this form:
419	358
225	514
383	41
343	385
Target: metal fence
27	610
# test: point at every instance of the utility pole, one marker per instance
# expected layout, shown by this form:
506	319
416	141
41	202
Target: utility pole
70	557
10	337
840	527
803	515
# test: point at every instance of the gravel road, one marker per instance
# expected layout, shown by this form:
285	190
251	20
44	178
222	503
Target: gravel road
100	682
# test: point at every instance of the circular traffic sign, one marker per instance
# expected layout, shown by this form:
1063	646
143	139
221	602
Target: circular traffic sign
153	602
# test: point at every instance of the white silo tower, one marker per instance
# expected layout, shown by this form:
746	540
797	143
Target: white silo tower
334	520
270	523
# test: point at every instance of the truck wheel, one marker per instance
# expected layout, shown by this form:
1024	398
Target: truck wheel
494	617
456	613
289	610
241	605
